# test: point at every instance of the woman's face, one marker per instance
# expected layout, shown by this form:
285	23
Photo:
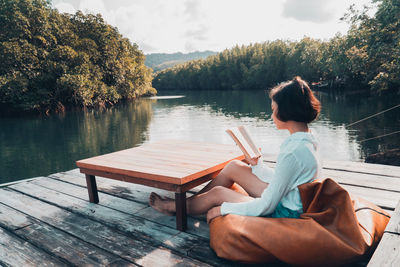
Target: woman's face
278	123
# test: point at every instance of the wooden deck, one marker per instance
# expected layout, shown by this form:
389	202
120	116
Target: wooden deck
388	251
48	221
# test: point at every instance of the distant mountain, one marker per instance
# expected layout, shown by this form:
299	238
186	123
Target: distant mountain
160	61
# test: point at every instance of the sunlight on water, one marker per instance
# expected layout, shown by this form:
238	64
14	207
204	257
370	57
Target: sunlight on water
34	146
166	97
205	125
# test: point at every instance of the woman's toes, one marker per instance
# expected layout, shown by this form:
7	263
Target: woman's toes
160	204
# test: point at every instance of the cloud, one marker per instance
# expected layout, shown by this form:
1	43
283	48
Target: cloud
65	8
148	48
93	7
317	11
196	27
192	9
200	33
190	46
190	25
110	5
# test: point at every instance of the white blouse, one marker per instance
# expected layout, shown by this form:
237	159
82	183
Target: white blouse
298	163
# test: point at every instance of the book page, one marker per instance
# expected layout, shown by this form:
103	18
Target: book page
237	136
246	136
238	143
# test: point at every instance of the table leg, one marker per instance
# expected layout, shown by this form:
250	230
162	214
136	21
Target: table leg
181	217
92	188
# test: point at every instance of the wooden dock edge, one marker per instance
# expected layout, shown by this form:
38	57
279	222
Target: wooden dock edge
20	181
388	251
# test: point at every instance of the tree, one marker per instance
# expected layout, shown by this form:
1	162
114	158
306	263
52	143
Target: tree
50	60
368	56
375	44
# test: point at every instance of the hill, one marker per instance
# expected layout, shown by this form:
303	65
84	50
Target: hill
160	61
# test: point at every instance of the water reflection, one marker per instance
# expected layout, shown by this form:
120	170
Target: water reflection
204	116
343	110
34	146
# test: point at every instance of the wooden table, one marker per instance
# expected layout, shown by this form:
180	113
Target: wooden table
171	165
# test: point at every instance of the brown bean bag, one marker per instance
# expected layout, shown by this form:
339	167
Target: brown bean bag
335	229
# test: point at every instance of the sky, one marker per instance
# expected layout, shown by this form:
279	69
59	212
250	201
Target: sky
169	26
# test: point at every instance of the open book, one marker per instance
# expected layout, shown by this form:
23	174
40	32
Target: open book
242	138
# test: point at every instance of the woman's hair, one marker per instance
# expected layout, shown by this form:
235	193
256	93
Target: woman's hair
295	101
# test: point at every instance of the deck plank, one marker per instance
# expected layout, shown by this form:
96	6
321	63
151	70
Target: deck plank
196	225
15	251
124	222
388	252
383	199
368	168
107	200
13	219
97	234
179	242
364	180
68	247
138	193
134	192
115	202
56	242
394	223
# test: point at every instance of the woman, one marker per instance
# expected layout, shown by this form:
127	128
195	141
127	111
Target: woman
271	192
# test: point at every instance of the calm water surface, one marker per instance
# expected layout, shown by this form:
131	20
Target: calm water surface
38	146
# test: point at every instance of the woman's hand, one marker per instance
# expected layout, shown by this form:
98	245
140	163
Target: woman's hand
213	213
252	161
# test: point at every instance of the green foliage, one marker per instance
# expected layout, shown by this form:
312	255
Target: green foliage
160	61
247	67
368	56
49	60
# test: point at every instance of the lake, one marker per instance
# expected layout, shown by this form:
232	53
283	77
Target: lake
34	146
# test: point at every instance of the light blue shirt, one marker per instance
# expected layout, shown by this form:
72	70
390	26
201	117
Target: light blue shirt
298	163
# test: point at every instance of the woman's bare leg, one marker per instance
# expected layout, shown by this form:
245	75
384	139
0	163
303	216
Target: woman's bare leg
217	191
199	203
237	172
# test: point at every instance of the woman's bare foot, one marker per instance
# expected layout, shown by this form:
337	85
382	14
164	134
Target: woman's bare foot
163	205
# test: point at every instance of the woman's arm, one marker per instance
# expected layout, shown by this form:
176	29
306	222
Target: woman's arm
286	172
262	171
